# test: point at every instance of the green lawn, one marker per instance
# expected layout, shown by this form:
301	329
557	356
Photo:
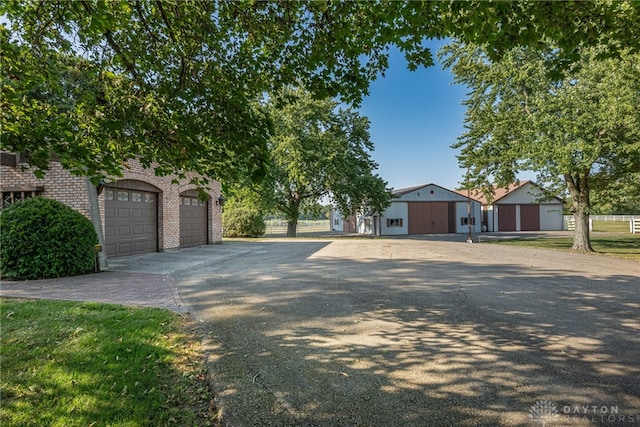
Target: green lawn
621	246
83	364
611	226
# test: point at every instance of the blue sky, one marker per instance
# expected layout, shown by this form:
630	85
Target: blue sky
415	117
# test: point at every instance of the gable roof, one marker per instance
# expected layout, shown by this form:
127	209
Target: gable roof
402	191
407	190
502	192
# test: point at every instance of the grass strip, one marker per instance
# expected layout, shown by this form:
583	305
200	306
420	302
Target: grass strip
86	364
623	246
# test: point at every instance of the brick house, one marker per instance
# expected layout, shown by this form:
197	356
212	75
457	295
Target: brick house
140	212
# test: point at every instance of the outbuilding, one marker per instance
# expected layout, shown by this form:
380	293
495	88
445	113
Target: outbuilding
423	209
430	209
521	206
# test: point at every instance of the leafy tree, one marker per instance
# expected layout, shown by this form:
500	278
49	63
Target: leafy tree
581	131
319	151
619	197
171	83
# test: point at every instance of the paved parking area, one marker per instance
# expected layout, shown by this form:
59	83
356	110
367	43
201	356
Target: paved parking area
411	332
373	332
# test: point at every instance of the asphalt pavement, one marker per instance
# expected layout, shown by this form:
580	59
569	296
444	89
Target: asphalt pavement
401	332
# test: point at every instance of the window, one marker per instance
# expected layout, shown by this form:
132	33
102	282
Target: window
394	222
10	197
123	196
465	220
148	198
336	221
136	197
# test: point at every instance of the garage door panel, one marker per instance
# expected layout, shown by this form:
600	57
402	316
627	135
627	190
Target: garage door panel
123	230
137	230
125	248
137	213
530	217
507	218
428	217
130	222
193	222
123	212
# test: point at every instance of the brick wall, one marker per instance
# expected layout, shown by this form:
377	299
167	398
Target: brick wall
58	184
71	190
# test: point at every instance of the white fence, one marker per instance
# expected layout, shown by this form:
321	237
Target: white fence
614	217
279	226
634	221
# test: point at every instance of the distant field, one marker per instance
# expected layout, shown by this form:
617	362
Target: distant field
611	226
279	227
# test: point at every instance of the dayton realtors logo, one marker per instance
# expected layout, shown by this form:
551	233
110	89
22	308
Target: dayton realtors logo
543	411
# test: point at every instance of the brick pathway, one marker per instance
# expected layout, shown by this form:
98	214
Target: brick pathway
133	289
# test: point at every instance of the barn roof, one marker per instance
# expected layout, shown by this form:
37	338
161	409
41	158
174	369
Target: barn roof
402	191
501	192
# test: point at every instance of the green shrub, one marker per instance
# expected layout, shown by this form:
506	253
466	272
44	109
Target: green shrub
242	221
42	238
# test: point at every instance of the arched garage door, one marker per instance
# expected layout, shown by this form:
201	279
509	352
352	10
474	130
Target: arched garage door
193	220
131	220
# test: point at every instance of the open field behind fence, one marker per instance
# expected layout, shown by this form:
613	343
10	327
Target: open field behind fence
277	227
608	223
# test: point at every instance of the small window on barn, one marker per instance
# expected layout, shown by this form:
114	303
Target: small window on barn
465	220
394	222
336	221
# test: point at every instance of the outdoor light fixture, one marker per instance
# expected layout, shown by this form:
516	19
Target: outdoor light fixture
100	187
220	201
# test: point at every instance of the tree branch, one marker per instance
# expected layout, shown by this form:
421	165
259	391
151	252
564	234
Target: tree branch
129	65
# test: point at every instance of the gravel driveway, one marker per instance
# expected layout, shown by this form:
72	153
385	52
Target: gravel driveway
402	332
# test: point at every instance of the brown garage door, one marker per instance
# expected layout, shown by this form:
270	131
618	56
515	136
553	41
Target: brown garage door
349	224
428	217
193	221
506	217
131	222
530	217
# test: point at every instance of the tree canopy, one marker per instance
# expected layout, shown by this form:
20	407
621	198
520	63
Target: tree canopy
580	132
319	151
100	82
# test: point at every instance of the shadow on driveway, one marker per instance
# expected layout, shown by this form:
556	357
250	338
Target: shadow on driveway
418	332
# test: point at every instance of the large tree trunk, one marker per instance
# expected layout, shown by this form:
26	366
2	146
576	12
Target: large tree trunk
292	217
579	191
